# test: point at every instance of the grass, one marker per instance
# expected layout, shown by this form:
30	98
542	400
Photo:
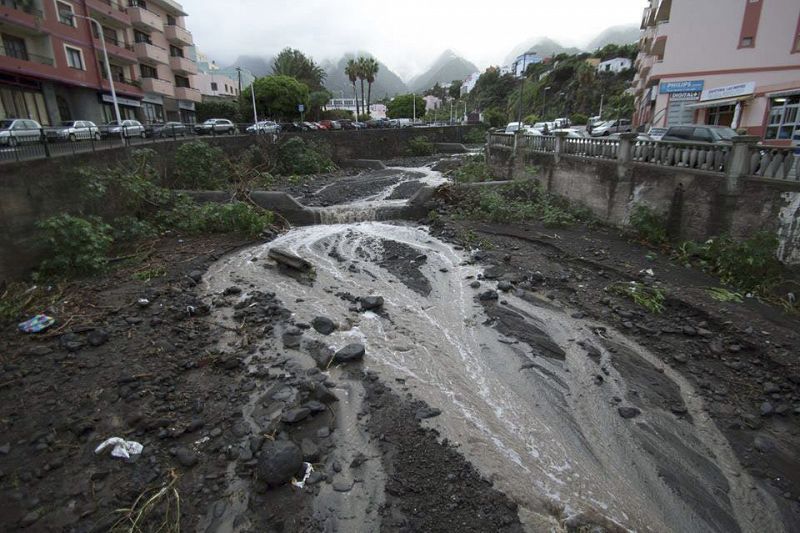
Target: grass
149	274
155	510
651	298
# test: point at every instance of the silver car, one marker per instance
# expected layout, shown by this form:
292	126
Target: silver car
14	131
264	126
78	130
128	128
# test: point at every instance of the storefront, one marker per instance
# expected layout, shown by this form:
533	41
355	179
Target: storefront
22	98
681	94
153	109
187	112
723	106
128	108
783	123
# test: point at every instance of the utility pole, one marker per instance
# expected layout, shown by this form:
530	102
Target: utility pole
239	72
601	106
521	92
544	104
414	104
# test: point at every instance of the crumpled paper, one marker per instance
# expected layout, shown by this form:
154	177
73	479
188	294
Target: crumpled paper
122	448
301	484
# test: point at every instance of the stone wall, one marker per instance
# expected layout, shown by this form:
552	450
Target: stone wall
698	204
33	190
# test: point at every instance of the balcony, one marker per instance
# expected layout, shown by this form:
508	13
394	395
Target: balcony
123	86
109	9
22	60
158	86
145	20
188	93
183	65
150	53
178	36
117	49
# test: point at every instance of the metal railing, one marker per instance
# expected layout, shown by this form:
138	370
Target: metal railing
25	7
24	55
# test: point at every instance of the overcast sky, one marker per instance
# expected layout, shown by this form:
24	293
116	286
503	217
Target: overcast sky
407	35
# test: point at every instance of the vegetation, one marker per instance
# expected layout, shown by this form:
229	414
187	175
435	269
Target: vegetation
276	96
361	70
495	118
476	135
421	146
219	109
200	166
405	105
649	225
651	298
336	114
295	64
473	170
298	157
74	245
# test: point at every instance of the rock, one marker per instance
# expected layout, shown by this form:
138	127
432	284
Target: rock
39	351
343	486
296	415
505	286
350	353
763	443
628	412
323	325
310	451
770	388
290	340
32	517
475	284
427	412
315	406
71	342
186	457
767	409
232	290
488	296
370	303
279	462
578	315
288	259
680	358
97	337
5	448
196	275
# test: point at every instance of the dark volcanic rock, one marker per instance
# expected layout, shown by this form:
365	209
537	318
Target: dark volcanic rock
324	325
296	415
97	337
488	296
279	462
427	412
370	303
628	412
186	457
350	353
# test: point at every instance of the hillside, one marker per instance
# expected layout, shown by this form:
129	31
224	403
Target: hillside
625	34
543	46
387	83
448	67
258	65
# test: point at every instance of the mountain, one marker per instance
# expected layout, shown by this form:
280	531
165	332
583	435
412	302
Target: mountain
258	65
447	68
625	34
387	83
544	47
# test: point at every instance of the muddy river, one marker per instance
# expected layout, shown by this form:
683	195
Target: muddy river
516	381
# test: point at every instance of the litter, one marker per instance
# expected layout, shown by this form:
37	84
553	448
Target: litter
37	324
143	302
302	483
648	272
122	448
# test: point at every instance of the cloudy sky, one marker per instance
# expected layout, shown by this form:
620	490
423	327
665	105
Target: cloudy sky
406	35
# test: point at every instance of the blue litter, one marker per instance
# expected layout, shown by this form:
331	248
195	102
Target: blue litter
37	324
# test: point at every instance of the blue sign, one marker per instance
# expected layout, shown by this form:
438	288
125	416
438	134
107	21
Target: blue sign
301	107
695	86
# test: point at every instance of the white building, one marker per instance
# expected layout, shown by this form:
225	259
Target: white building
432	102
349	104
469	83
616	65
522	62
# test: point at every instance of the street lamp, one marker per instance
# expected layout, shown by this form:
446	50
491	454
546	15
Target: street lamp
544	104
521	91
108	72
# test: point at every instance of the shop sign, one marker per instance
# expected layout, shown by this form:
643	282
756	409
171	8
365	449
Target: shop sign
688	96
729	91
669	87
121	100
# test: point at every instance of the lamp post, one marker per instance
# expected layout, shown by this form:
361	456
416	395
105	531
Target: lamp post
544	104
108	72
521	92
414	104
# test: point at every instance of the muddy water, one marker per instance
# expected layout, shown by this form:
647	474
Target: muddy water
538	425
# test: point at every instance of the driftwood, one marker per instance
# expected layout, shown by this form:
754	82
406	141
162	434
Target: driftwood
288	259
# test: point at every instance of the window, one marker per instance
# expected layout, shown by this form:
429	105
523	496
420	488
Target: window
171	21
752	15
141	37
720	116
152	112
214	86
174	51
181	81
74	57
148	71
15	47
138	3
784	117
65	13
796	42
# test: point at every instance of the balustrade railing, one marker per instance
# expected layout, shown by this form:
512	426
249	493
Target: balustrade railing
698	156
773	162
590	147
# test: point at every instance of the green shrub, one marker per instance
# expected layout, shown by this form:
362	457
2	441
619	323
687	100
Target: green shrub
750	265
649	225
129	229
74	245
476	135
494	117
236	217
295	156
579	119
531	119
473	171
651	298
420	146
201	167
336	114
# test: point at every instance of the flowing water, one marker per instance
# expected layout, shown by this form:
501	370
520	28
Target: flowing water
535	423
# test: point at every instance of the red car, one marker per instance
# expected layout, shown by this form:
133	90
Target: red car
326	124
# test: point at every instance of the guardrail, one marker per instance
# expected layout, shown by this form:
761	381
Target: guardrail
756	160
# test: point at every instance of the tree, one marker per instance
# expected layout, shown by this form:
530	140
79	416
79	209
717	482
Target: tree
403	106
294	63
218	109
362	75
276	96
494	117
371	71
455	89
317	100
351	69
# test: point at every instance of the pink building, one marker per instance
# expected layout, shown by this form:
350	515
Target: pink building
725	62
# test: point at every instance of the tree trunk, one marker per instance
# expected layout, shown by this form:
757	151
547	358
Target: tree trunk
355	96
369	96
362	96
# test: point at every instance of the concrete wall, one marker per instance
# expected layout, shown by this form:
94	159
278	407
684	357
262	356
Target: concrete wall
697	204
34	190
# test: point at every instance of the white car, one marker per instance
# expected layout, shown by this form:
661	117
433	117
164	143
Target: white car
612	126
531	132
128	128
78	130
571	134
514	127
264	126
14	131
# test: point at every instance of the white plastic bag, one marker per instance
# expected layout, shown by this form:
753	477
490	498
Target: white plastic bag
122	448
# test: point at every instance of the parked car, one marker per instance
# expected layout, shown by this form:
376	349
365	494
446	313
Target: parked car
562	122
513	127
700	133
639	137
128	129
215	126
74	130
321	126
290	126
14	131
330	125
360	125
347	124
310	126
571	134
263	126
378	123
401	123
622	125
167	129
531	132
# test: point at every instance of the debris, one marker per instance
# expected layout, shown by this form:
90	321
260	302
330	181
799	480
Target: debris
122	448
302	483
37	324
143	302
288	259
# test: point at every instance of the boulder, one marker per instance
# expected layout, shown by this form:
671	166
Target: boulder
350	353
323	325
279	462
370	303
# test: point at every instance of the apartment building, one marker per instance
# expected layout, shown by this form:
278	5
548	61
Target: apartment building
215	82
51	60
726	62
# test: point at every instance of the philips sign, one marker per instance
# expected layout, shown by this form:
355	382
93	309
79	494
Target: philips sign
694	86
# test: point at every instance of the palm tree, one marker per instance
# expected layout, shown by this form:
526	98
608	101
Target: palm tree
352	74
362	74
372	71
